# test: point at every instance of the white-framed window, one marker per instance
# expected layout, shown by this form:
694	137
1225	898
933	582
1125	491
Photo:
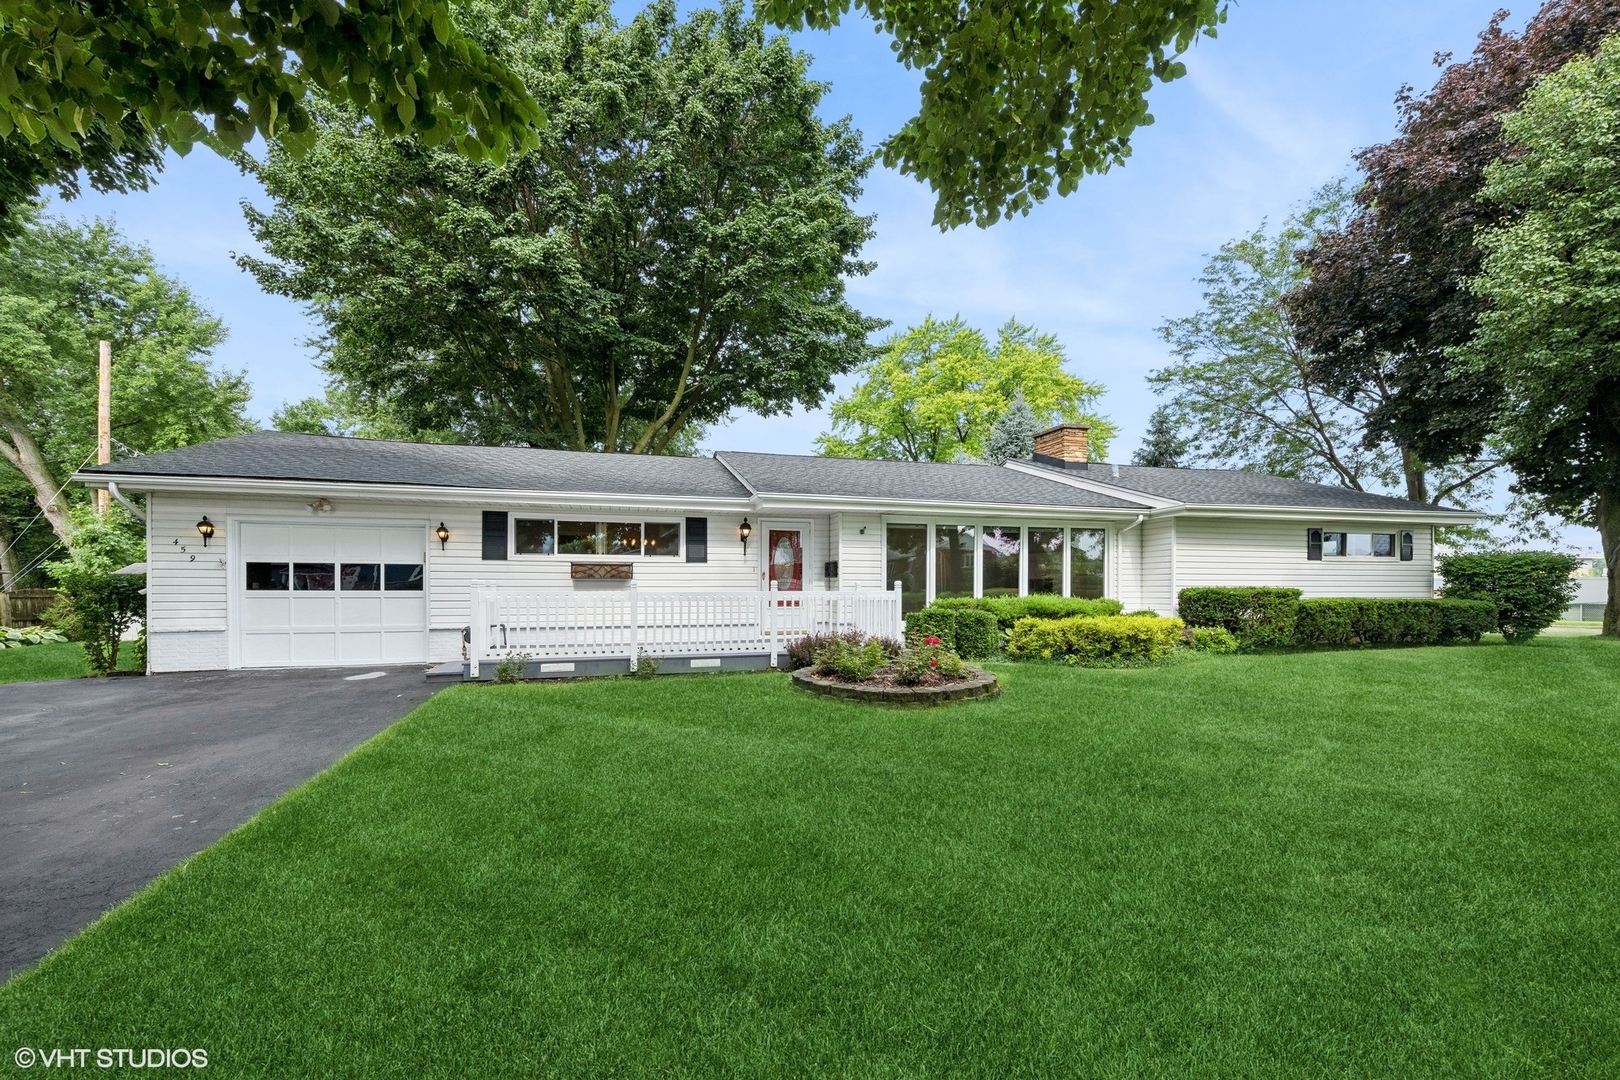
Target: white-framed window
575	537
934	559
1321	544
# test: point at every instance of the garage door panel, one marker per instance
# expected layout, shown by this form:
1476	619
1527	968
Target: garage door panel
402	647
359	545
360	648
309	647
266	612
401	612
402	545
314	544
314	612
266	650
320	595
266	541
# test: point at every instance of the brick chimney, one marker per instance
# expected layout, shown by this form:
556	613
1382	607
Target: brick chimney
1064	446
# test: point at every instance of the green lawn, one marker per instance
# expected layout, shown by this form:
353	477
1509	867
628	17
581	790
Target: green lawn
1395	863
54	660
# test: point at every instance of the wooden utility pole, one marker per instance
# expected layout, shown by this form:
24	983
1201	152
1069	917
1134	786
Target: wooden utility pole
104	423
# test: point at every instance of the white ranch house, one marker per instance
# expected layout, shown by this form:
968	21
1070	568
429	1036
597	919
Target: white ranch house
323	551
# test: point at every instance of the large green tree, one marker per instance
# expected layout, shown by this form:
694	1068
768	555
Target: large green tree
934	392
1249	393
1551	279
675	248
63	287
1020	97
102	86
1387	297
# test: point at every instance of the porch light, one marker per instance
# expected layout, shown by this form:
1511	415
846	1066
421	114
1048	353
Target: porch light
443	534
744	531
206	528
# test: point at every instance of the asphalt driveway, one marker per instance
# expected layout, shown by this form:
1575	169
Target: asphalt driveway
106	783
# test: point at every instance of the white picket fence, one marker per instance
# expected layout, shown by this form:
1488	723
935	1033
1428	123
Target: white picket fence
559	624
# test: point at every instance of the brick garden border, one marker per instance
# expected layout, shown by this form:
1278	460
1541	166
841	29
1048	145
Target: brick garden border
979	684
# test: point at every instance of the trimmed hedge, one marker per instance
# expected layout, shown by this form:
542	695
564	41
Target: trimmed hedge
1009	609
1358	621
972	634
1258	617
1106	640
1255	616
1530	589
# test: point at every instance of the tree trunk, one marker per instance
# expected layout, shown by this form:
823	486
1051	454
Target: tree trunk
1608	524
26	457
8	561
1417	476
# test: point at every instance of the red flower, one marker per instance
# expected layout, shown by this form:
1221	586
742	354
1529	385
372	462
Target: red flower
934	662
931	641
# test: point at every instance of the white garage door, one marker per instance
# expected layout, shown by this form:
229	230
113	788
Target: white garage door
324	595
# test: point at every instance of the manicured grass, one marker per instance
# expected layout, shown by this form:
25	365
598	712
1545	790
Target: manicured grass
54	660
1391	863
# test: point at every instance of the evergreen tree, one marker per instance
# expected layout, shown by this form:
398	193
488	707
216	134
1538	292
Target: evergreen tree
1162	447
1012	436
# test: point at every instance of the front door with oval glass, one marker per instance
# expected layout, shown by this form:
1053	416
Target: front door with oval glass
784	557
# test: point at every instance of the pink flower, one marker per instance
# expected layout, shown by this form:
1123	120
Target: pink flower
934	662
931	641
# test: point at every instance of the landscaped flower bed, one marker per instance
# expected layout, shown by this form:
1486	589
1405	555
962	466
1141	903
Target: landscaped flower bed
876	669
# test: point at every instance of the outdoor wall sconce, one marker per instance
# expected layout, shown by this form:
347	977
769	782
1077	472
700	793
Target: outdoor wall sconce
206	528
744	531
443	534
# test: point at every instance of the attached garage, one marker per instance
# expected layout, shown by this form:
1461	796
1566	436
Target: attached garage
319	595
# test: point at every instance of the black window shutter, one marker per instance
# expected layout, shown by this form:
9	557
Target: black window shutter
495	534
1313	544
1406	546
697	539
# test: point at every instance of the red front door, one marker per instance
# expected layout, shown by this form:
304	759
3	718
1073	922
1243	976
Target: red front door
784	553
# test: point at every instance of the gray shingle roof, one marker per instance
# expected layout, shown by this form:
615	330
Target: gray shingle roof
279	455
791	474
1232	487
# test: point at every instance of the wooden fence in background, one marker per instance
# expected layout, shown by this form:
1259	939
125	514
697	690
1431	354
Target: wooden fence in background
24	606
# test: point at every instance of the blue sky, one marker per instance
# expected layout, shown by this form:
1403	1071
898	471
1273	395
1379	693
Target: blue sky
1269	111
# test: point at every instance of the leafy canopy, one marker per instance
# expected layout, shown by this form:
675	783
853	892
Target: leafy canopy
675	247
63	287
1387	297
1550	336
1249	394
96	84
933	392
1023	97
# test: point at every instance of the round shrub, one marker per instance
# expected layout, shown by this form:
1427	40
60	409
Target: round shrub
1101	641
1257	617
1212	639
1530	589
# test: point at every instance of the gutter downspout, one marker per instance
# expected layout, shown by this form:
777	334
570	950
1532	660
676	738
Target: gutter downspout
112	489
146	523
1139	519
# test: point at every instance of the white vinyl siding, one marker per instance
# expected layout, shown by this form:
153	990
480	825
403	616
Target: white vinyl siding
861	555
188	585
1158	590
1125	545
1236	551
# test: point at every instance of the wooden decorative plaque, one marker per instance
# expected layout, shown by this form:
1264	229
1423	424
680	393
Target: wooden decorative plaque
590	571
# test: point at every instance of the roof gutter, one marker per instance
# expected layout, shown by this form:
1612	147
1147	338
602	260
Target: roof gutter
430	493
112	489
